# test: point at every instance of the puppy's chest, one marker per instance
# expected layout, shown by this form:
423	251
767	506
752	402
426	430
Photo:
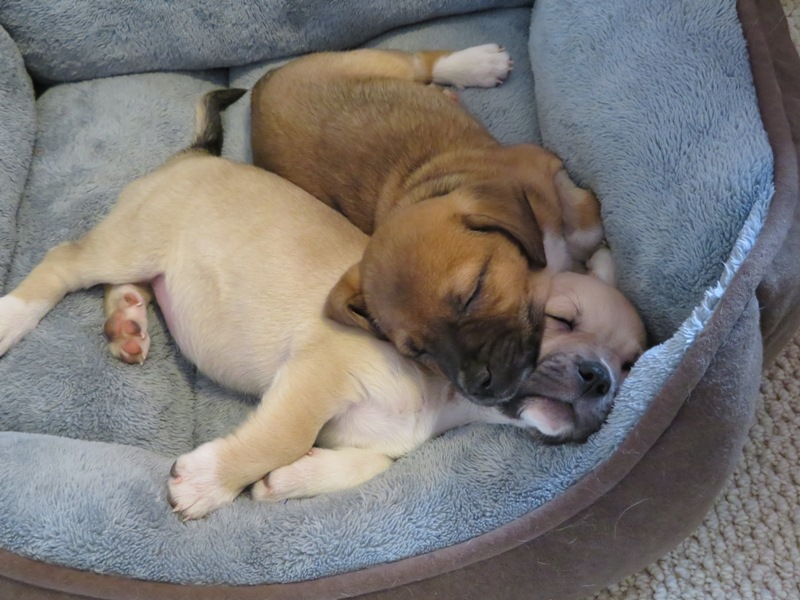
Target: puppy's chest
393	422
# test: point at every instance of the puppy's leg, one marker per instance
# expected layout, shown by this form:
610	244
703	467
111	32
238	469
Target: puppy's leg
479	66
304	396
126	321
321	471
102	256
580	210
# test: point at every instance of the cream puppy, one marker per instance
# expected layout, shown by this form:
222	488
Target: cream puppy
241	262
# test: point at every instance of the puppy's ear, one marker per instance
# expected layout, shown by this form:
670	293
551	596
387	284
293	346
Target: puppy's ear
346	303
503	210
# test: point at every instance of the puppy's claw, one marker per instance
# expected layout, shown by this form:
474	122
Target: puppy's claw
132	299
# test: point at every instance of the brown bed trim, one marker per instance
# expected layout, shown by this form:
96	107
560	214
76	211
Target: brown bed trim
775	68
779	292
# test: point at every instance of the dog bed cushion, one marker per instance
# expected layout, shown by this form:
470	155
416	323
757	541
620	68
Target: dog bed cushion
651	104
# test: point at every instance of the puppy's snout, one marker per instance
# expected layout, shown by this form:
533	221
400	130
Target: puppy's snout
477	379
488	373
596	378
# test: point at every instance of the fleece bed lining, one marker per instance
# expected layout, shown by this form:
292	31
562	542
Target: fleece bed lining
87	442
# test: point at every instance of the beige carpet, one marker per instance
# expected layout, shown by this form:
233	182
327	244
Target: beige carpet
749	545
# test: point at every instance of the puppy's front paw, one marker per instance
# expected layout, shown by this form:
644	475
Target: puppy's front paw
480	66
17	318
126	327
601	265
195	485
295	480
321	471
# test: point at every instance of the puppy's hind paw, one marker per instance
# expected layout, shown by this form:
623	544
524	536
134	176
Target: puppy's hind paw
479	66
126	327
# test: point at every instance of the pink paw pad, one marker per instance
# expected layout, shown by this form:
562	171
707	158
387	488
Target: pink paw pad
126	327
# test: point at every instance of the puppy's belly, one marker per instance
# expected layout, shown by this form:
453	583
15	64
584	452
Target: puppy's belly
165	304
212	338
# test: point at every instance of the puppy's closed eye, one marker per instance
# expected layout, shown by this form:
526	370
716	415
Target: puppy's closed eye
466	287
562	323
476	291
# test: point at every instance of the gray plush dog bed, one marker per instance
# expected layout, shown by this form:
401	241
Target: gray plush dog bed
664	110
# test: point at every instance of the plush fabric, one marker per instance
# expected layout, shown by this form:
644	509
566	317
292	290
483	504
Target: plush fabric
677	173
17	132
97	501
70	40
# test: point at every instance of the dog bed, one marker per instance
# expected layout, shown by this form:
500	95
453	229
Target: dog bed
680	116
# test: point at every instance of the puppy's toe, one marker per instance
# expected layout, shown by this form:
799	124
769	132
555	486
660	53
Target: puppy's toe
126	327
262	492
195	487
295	480
448	92
281	484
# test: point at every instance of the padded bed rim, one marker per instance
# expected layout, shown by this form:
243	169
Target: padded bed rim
780	300
473	567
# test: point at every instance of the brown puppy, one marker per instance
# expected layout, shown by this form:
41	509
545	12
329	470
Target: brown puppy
462	227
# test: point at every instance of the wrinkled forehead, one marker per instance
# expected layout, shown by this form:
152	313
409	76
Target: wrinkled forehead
599	308
412	250
420	263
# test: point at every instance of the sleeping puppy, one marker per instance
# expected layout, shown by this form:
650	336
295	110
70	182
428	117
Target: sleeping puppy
240	262
462	227
591	339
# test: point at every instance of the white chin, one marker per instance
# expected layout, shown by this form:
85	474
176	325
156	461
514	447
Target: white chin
550	417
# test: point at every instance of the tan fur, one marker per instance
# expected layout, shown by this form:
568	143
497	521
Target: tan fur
436	190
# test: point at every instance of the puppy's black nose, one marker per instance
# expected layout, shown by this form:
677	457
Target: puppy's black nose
478	380
596	379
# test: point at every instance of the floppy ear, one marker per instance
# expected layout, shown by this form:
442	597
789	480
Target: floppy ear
346	303
501	210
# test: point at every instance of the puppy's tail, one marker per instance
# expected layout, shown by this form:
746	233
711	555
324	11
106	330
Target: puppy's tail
208	120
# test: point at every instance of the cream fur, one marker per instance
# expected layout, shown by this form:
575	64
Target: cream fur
241	262
230	241
18	317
